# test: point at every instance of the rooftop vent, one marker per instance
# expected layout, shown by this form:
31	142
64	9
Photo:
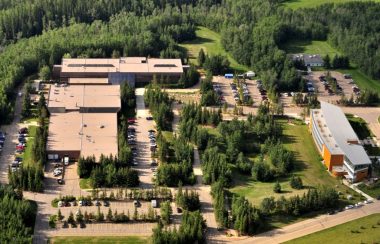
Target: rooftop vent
165	65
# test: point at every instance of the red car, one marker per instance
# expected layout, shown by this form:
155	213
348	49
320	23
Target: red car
131	121
20	147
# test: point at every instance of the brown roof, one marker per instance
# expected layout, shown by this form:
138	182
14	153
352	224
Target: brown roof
89	133
75	96
124	64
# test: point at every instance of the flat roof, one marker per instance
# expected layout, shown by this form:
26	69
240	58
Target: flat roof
72	97
342	132
124	65
95	81
89	133
325	133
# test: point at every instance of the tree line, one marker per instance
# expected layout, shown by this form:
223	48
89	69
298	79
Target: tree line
108	171
159	104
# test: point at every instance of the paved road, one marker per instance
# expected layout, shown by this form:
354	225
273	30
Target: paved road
206	201
7	155
311	225
143	146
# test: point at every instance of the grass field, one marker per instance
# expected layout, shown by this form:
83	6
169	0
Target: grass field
85	183
27	155
323	48
101	240
310	47
295	4
308	166
210	42
363	230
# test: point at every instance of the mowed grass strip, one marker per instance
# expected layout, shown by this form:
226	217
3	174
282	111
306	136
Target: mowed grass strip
102	240
363	230
209	41
296	4
27	155
296	137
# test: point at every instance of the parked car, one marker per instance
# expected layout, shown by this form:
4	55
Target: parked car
60	181
136	203
106	203
349	207
23	131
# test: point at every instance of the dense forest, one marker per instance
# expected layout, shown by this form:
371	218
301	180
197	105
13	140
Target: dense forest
17	217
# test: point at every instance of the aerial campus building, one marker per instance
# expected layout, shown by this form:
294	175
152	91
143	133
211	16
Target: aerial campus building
338	143
83	120
117	70
84	105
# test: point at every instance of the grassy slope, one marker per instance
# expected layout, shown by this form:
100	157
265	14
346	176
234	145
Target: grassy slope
323	48
102	240
342	233
295	4
310	47
372	191
210	42
309	168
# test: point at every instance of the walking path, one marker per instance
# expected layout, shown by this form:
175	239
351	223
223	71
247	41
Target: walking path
207	209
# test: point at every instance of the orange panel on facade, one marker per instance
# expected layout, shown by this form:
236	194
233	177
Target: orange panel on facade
331	160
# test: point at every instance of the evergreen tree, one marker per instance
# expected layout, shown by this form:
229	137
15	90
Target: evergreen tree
201	57
277	187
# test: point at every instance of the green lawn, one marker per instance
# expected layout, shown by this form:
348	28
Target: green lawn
363	230
310	47
210	42
295	4
102	240
308	166
360	126
27	155
85	183
373	190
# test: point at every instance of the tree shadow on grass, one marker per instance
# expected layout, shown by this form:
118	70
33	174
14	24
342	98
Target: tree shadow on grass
198	41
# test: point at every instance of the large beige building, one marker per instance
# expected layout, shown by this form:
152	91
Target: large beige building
117	70
83	120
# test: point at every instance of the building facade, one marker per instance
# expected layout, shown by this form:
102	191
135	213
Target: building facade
118	70
338	144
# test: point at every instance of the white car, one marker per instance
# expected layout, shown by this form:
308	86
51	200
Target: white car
60	204
349	207
369	201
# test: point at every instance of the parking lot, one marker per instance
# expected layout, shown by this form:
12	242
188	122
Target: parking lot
142	126
323	93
